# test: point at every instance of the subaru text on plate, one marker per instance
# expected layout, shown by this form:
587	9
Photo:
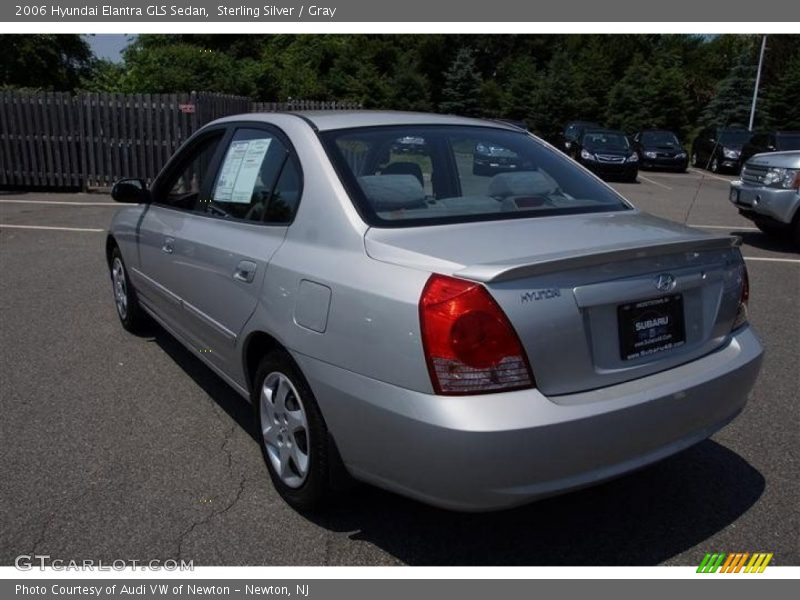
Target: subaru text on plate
472	340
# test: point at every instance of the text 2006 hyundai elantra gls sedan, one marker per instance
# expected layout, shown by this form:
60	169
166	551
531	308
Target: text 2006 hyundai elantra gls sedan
472	340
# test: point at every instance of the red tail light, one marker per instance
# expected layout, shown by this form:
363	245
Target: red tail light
741	314
470	346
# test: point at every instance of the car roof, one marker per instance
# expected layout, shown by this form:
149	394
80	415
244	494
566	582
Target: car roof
326	120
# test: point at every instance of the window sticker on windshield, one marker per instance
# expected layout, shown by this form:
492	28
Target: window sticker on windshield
240	170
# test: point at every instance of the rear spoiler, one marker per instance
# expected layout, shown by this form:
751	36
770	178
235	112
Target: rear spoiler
549	263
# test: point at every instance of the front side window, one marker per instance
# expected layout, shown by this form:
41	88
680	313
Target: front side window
182	189
421	175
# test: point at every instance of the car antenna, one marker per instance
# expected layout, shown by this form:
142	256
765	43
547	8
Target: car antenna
702	178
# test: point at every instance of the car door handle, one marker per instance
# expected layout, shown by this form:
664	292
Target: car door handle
245	271
168	245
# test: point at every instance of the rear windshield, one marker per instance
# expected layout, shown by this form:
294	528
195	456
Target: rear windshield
403	176
660	138
788	141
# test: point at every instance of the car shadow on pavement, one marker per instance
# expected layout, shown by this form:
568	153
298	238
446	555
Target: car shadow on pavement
757	239
236	407
641	519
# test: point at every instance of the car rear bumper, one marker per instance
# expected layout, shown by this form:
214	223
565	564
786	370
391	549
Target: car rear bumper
495	451
757	202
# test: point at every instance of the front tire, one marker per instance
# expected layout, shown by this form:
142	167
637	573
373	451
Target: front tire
695	160
715	165
129	312
293	436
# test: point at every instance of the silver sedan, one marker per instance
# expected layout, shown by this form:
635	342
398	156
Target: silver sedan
472	333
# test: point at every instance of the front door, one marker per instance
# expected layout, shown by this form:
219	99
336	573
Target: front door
222	248
176	195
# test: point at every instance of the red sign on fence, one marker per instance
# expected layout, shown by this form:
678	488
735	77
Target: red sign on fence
187	108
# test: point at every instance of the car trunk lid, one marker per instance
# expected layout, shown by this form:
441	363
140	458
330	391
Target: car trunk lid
576	287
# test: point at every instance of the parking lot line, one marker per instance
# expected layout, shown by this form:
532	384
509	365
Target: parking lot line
726	227
59	202
706	174
768	259
6	226
648	180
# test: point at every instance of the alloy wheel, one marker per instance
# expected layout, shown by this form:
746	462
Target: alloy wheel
120	287
284	427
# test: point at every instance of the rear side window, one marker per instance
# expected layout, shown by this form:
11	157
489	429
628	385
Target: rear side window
258	179
285	195
423	175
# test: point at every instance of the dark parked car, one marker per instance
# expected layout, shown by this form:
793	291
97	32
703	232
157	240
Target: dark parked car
660	149
573	131
608	153
770	141
409	145
490	159
719	148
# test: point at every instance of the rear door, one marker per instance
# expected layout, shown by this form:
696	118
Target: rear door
221	250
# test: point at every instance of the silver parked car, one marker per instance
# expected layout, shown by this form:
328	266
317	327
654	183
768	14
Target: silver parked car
768	193
472	340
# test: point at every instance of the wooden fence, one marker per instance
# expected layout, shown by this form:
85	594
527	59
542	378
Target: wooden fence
89	140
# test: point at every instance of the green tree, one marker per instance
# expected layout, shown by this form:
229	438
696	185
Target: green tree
408	89
152	66
649	96
522	81
462	86
105	76
44	61
556	98
782	99
733	96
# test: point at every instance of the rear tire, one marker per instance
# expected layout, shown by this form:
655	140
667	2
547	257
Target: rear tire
695	160
292	433
129	311
715	165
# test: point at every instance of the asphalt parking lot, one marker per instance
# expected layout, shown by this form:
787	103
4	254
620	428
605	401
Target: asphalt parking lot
124	447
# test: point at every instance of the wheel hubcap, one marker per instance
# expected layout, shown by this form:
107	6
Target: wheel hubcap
285	429
120	287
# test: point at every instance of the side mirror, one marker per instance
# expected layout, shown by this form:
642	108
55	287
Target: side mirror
130	191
